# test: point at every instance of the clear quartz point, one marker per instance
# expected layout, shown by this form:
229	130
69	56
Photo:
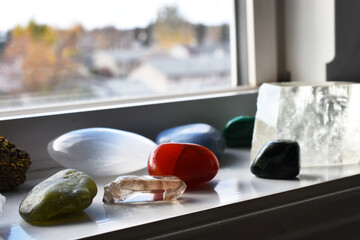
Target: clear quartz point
143	189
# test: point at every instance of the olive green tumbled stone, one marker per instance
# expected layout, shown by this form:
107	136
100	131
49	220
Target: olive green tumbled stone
66	191
238	131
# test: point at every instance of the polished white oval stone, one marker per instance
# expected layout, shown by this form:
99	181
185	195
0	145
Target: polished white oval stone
101	151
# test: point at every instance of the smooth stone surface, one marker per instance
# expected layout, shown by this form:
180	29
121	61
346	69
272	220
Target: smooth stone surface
194	164
143	189
101	151
66	191
238	131
278	159
324	118
196	133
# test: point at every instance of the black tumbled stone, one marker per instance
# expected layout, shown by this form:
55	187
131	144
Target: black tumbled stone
277	159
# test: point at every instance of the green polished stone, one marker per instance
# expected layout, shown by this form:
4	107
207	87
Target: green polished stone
66	191
277	160
238	131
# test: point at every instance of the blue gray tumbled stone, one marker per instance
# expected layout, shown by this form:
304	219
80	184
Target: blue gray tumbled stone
196	133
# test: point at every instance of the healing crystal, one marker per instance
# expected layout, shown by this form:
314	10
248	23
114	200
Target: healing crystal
101	151
198	133
323	118
66	191
14	163
277	159
194	164
238	131
143	189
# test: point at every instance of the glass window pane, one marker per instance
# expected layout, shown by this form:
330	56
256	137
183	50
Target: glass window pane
79	50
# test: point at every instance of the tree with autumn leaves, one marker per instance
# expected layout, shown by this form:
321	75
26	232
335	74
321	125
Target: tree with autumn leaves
46	54
171	29
40	56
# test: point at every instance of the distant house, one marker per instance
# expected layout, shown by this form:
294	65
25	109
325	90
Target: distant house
115	63
172	75
105	64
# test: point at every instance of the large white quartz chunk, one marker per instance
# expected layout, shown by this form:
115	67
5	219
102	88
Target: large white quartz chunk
101	151
323	118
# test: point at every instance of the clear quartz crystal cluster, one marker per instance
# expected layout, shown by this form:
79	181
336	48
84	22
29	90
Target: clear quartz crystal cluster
143	189
323	118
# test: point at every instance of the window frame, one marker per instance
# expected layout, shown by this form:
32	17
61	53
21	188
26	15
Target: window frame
238	24
32	128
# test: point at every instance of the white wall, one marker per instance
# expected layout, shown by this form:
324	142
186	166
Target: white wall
295	37
265	33
309	32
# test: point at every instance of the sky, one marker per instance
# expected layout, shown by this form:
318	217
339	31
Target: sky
99	13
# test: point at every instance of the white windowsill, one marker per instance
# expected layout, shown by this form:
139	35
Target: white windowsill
106	104
235	203
33	131
233	198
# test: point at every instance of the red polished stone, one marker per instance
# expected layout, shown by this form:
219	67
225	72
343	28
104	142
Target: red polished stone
192	163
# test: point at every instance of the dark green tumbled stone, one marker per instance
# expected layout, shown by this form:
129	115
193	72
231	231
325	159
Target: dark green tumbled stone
277	159
238	131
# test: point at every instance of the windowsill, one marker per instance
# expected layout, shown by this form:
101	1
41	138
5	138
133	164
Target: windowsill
107	104
33	131
235	202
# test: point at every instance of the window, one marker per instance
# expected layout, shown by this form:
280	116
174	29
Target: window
33	127
73	51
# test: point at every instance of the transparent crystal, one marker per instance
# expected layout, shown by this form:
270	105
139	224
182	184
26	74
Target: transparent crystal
323	118
143	189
